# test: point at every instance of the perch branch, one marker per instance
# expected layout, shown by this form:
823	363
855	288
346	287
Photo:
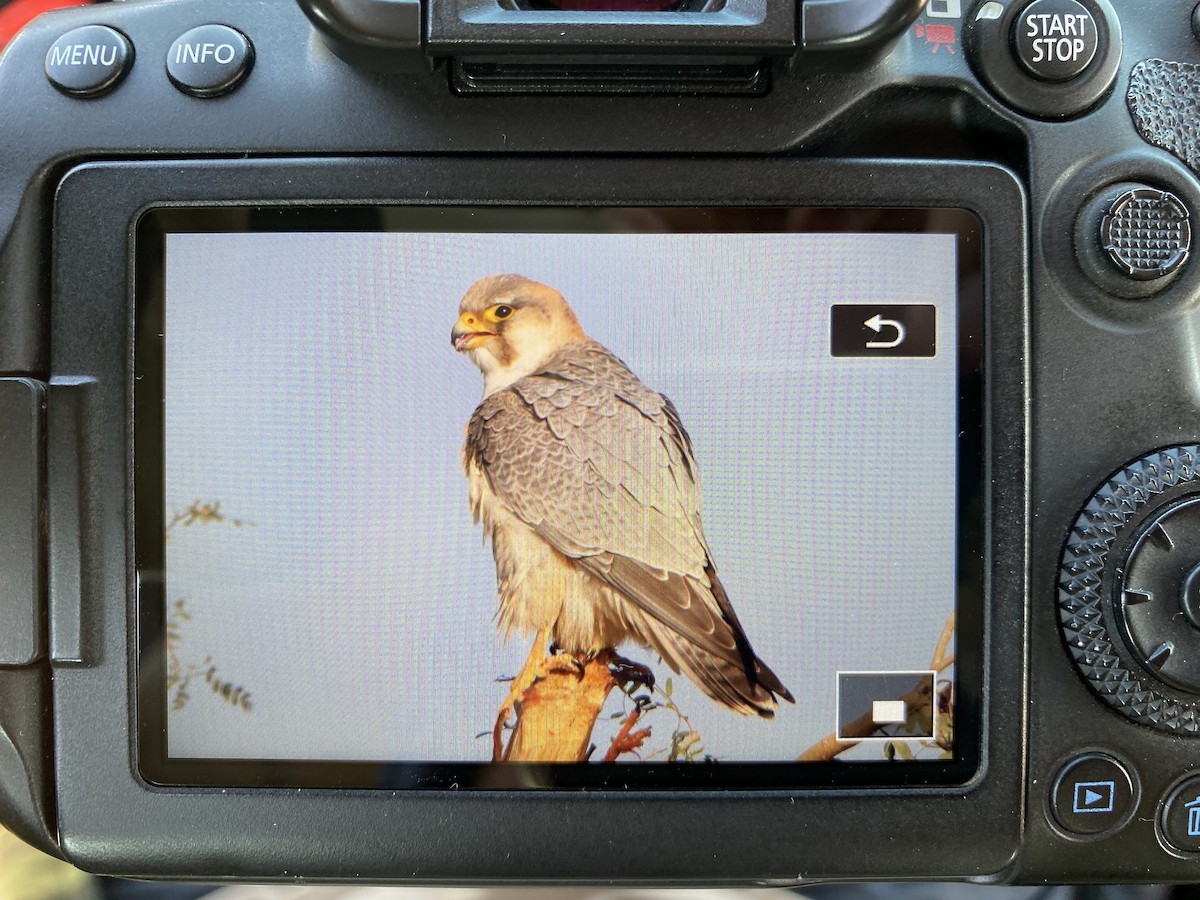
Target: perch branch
627	740
556	704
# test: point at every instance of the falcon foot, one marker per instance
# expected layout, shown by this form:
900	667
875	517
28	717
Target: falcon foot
561	660
564	662
626	671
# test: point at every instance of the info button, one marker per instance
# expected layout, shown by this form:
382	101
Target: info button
210	60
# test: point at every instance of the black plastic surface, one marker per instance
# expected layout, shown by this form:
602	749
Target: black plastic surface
26	757
69	423
22	634
385	35
850	25
627	76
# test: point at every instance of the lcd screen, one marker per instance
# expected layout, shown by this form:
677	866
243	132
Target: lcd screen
559	497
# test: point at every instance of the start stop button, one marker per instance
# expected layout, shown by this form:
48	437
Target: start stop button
1055	40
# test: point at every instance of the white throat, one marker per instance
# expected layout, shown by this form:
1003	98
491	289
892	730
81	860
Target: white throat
497	377
530	349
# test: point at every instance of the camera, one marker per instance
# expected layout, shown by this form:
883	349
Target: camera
809	488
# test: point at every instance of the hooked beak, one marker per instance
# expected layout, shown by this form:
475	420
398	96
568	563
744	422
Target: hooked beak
468	333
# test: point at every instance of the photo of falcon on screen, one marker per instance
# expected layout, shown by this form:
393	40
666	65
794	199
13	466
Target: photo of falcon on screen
586	486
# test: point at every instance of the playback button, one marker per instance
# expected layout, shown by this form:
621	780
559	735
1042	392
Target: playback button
210	60
1093	794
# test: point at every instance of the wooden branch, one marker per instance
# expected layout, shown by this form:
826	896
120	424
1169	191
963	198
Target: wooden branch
920	697
555	715
940	659
627	740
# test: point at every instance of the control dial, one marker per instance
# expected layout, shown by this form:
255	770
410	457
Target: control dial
1159	608
1129	590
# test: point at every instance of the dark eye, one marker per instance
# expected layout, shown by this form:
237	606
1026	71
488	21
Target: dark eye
503	312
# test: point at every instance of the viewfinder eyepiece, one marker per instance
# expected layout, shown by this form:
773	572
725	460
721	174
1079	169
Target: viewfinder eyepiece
618	5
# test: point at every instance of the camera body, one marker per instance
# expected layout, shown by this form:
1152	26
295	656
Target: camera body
1065	128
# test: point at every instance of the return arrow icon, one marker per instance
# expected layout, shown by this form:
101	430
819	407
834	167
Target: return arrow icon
877	323
883	331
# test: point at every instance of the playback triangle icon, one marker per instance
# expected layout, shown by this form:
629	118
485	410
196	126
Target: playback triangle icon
1094	797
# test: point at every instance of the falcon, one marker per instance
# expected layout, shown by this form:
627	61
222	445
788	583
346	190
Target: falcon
586	486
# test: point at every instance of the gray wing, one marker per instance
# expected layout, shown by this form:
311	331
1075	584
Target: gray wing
601	468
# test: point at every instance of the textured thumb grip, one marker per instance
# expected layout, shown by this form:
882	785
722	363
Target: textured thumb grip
1164	100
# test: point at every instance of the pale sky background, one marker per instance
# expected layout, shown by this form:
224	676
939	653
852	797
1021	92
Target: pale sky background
311	388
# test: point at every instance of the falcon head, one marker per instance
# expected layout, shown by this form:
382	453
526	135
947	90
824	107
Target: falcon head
510	325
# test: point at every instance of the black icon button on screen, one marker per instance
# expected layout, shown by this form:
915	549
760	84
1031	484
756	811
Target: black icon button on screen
882	699
898	330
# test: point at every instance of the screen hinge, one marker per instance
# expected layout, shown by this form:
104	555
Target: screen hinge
68	413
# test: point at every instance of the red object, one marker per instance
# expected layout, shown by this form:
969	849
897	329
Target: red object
19	13
939	36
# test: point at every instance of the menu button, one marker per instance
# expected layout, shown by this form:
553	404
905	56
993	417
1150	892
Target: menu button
88	61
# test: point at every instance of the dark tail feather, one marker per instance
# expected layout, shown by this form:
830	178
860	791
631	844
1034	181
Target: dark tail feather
724	679
768	679
756	672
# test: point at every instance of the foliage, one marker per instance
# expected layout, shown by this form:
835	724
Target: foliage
920	722
684	743
203	514
181	673
28	874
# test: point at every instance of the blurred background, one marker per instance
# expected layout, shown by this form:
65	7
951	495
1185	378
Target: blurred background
27	874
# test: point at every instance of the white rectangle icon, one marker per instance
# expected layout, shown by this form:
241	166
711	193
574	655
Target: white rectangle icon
888	712
944	9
